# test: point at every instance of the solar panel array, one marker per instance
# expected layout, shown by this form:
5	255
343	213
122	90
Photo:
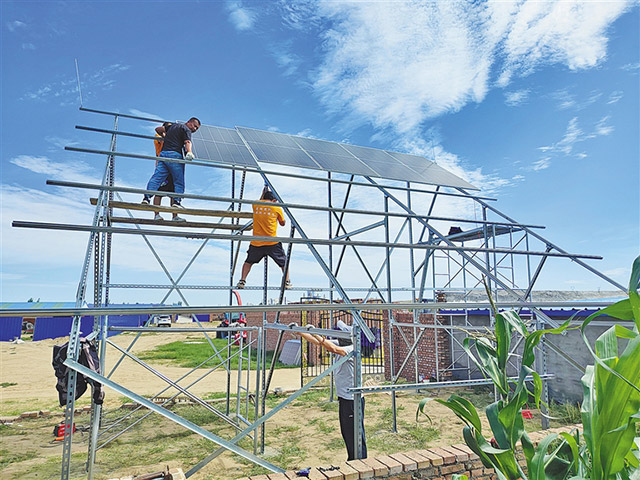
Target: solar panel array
221	145
244	146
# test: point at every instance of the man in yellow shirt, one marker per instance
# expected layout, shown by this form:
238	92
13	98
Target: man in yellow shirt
265	224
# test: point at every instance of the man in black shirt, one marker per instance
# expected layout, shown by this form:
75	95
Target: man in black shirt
177	137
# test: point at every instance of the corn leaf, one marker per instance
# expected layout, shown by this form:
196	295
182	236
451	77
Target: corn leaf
486	361
634	285
575	451
503	341
538	462
498	430
502	460
511	417
618	405
464	409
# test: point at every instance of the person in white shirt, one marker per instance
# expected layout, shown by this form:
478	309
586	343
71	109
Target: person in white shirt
344	376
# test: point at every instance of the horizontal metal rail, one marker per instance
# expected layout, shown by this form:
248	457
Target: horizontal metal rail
226	166
430	385
291	307
304	329
142	191
118	132
302	241
247	287
182	329
123	115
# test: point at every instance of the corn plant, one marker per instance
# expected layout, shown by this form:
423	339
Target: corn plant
607	448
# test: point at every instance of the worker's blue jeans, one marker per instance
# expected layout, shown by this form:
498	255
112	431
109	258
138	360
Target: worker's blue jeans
163	170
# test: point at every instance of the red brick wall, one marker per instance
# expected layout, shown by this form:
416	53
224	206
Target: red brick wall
254	319
426	349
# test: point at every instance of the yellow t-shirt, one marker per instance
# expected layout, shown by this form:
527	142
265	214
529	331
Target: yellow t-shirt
158	144
265	222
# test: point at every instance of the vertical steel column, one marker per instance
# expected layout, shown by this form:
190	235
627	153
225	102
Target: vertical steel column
330	228
257	401
231	247
389	314
228	360
357	395
100	325
412	267
485	233
264	355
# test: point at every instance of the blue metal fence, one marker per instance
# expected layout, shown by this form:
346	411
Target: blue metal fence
10	328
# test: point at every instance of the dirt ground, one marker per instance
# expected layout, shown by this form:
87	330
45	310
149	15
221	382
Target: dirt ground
304	434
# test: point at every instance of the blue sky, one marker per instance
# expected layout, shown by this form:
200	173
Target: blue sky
536	103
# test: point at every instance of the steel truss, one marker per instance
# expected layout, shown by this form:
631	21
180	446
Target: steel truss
429	266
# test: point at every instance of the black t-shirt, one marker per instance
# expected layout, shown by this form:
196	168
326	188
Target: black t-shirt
177	134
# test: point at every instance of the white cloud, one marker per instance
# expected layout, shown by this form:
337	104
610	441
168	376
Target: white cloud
603	127
516	97
16	25
287	60
141	113
615	97
567	100
573	135
569	33
397	64
66	91
68	171
631	67
28	46
541	164
241	17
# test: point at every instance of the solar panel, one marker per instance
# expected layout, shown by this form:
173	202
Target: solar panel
244	146
294	157
221	145
429	171
332	157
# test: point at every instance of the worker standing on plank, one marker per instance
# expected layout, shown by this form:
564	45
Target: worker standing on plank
177	138
167	185
265	224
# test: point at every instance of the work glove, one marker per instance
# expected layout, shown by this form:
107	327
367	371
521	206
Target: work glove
189	156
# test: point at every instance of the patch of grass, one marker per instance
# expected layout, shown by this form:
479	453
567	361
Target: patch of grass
386	414
286	429
7	384
190	355
197	414
313	396
565	413
7	457
321	425
289	456
6	430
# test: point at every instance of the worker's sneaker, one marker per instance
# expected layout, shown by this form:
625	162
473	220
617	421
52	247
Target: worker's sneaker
177	205
178	218
145	201
157	217
241	284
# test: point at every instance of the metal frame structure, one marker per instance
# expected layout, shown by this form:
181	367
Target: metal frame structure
429	264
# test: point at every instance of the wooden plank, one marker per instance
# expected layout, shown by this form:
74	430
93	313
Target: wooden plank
171	223
186	211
